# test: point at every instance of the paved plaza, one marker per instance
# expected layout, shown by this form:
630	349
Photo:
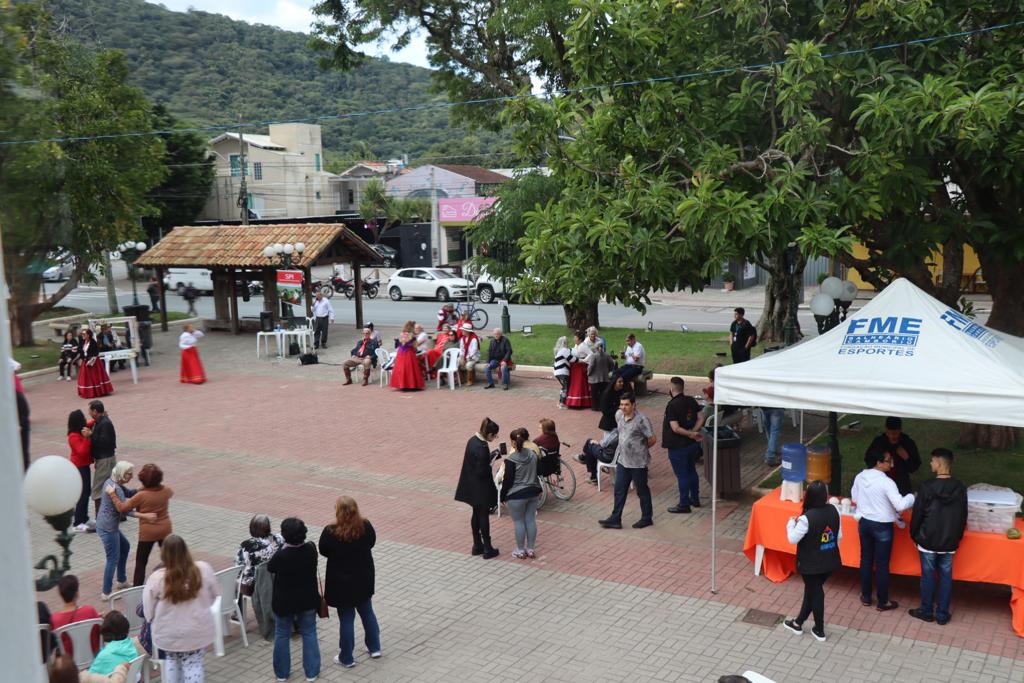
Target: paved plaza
596	605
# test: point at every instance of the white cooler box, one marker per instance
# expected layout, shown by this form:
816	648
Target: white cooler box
991	508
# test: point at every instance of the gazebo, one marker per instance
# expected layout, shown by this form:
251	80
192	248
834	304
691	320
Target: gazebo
235	253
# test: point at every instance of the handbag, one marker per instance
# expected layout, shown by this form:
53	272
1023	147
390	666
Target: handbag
322	611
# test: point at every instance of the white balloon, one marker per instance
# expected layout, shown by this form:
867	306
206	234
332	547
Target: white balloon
822	304
52	485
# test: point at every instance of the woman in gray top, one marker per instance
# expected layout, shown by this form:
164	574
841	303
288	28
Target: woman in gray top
108	522
520	489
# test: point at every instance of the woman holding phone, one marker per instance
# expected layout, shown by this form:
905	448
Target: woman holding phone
476	486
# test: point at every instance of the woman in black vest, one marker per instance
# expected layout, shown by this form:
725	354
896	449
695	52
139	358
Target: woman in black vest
476	486
816	533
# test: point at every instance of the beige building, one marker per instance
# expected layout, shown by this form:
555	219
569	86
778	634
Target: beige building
284	174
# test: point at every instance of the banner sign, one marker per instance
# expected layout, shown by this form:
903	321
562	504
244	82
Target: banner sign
462	210
289	287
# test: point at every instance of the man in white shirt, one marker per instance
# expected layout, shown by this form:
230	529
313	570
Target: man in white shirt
323	313
422	340
635	357
879	504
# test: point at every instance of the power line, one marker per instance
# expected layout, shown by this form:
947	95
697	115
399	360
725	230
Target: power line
512	98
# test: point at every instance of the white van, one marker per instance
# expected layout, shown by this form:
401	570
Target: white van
178	278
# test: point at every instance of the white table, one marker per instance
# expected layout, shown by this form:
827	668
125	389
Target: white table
265	337
122	354
303	335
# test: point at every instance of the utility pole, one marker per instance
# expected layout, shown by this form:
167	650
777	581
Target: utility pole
109	273
435	229
243	191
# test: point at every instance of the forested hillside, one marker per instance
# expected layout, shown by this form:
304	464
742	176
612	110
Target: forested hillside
210	69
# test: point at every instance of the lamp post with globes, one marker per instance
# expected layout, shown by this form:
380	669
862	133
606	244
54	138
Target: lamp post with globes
130	252
52	486
283	253
829	307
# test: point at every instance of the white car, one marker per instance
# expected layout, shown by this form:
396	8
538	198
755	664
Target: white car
489	289
59	272
427	283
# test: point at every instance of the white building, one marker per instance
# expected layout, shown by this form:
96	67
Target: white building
283	172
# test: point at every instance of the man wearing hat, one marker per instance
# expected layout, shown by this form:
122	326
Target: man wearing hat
470	345
363	354
446	315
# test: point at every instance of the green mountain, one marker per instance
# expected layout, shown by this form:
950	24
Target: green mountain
212	70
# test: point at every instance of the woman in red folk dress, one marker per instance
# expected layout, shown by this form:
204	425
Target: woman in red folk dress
579	387
93	380
407	374
191	366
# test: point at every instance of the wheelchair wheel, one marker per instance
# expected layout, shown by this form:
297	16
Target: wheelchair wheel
543	492
563	482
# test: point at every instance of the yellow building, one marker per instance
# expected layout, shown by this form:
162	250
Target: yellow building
971	270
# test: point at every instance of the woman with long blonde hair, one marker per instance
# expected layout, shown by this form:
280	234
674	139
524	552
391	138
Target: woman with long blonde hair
176	602
349	581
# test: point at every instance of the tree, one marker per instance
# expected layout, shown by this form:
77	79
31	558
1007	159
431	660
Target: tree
382	211
78	196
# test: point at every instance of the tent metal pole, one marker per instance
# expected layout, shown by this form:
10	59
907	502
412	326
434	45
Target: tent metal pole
801	426
714	504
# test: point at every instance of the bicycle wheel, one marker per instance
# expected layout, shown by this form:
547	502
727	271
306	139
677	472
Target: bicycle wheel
563	482
479	318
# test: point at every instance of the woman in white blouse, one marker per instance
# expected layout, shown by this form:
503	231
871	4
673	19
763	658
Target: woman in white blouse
191	367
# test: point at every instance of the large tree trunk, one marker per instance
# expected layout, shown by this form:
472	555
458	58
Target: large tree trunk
25	303
781	298
578	317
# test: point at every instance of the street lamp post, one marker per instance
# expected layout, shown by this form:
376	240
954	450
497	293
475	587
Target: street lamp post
130	252
283	253
52	486
829	307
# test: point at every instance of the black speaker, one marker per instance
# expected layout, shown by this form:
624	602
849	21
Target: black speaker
266	321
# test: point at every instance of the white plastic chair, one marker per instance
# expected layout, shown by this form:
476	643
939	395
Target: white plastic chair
450	368
610	466
135	668
227	580
129	599
383	358
80	635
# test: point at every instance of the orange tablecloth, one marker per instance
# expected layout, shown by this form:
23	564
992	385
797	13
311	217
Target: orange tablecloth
986	558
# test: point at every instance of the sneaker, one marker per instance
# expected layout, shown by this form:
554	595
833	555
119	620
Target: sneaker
518	554
580	459
640	524
375	655
60	378
530	554
919	613
104	597
311	679
488	386
891	605
281	679
819	634
592	480
337	660
610	523
82	528
121	585
796	628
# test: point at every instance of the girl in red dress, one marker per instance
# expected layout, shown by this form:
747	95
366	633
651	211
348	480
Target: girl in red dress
93	380
191	367
407	373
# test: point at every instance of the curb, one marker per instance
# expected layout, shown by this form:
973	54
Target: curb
656	376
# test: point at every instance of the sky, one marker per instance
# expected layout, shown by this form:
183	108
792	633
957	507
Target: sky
292	15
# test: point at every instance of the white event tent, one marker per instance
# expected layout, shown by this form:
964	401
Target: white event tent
904	353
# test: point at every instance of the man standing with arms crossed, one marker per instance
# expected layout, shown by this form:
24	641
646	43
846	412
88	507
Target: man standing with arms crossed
323	313
104	446
636	437
681	435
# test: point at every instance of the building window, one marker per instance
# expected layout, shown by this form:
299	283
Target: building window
257	170
236	165
351	197
318	194
316	163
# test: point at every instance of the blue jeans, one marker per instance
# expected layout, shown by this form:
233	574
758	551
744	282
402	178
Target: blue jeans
630	371
116	548
637	475
683	464
492	365
347	616
773	419
310	645
932	564
875	550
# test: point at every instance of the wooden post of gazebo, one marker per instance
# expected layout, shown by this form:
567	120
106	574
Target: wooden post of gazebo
233	301
357	280
307	289
163	299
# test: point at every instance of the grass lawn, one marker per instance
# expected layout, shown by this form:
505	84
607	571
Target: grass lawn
1002	468
684	353
59	312
44	354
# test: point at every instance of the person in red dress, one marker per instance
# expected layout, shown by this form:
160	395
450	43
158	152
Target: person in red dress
191	367
93	380
434	354
407	373
579	386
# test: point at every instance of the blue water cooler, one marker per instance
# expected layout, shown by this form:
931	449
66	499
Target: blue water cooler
794	462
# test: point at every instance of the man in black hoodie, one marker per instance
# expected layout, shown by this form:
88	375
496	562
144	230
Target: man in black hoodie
905	457
937	525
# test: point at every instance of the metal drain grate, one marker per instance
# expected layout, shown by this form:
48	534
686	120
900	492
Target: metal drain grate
761	618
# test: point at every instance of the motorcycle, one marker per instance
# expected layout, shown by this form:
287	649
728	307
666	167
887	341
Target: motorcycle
322	287
371	286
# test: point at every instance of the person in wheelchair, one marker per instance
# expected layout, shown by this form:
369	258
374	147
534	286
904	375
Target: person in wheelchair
548	447
594	451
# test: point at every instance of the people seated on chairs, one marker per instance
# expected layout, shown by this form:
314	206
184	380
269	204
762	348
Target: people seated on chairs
422	342
64	670
118	648
109	341
67	588
634	356
470	345
445	340
362	354
598	451
255	550
499	356
374	334
610	402
549	444
446	316
407	374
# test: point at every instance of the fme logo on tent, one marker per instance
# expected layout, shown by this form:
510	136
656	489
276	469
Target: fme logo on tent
890	336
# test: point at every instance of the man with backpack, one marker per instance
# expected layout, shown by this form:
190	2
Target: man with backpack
742	336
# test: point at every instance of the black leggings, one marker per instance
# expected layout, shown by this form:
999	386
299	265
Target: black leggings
481	525
564	381
814	599
141	559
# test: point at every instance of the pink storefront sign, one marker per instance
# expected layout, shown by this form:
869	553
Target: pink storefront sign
462	210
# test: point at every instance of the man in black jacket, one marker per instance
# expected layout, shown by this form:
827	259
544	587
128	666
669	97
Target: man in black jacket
499	355
906	459
362	354
104	446
937	525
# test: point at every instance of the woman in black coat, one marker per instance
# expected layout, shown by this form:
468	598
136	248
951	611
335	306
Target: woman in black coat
476	487
348	546
610	403
296	599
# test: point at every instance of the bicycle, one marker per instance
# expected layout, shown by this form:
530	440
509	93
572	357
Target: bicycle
477	316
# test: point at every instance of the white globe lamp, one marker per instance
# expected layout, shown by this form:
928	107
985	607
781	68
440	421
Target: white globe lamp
822	304
849	292
832	286
52	486
140	246
268	251
289	248
300	247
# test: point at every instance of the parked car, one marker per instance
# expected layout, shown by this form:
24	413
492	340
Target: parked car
428	283
178	278
58	273
489	289
388	255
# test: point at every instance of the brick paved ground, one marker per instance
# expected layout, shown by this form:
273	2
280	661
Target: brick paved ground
273	437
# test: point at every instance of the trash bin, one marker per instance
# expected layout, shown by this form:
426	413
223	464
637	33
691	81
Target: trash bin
146	339
140	312
728	460
266	321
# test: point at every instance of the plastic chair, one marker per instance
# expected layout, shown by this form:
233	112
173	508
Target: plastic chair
610	466
227	580
383	358
46	639
450	368
80	635
135	668
130	599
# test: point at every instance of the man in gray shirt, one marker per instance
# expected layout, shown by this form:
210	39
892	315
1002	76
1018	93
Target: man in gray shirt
636	436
